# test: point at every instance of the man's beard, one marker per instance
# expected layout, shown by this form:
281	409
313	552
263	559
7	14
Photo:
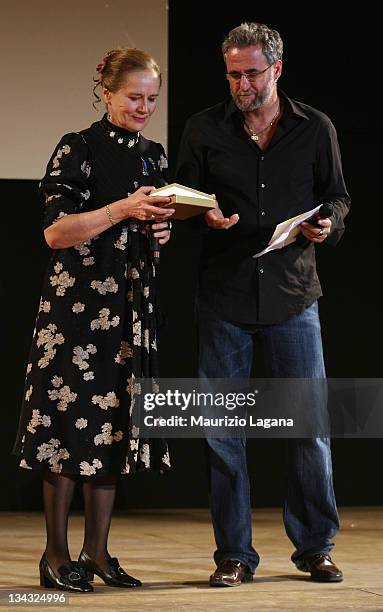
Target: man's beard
250	104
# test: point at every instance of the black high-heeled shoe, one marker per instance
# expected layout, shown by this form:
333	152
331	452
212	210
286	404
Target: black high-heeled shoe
114	575
71	577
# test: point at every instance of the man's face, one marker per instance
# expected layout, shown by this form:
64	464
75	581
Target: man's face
251	94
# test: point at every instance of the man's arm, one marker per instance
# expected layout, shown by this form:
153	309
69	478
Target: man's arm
329	184
191	172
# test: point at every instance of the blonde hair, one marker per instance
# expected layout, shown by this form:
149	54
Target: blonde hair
117	63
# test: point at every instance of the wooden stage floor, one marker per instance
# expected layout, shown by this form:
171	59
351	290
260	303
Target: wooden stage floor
171	552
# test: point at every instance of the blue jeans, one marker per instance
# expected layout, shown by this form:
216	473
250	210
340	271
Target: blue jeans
293	349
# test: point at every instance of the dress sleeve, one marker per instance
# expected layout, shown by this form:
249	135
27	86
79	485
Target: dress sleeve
64	188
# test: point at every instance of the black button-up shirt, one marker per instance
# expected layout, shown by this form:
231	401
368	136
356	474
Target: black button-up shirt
300	169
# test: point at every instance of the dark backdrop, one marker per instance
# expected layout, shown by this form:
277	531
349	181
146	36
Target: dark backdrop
330	64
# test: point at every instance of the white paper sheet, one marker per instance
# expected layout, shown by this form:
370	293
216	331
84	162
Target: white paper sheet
286	232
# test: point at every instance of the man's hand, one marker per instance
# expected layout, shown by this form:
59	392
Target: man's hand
215	219
316	234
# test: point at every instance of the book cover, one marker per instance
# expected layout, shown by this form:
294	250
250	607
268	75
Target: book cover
187	202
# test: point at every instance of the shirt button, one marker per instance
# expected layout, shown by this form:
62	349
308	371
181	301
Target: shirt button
262	157
263	213
263	185
260	270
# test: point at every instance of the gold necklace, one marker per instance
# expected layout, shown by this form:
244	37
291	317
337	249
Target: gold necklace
255	135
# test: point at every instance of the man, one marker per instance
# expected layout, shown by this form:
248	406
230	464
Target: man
266	158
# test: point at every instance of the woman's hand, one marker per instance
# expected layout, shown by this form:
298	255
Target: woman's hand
161	231
142	207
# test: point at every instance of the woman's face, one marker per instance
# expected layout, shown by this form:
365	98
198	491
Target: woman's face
134	103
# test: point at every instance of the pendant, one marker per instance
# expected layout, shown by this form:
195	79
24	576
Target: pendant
255	137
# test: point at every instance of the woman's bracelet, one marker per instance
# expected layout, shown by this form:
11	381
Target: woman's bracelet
109	214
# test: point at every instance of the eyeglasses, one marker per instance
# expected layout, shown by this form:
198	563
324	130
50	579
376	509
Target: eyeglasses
251	75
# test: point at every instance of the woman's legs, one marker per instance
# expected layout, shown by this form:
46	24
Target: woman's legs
99	494
57	492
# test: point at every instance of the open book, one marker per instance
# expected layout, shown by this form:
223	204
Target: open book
286	232
186	201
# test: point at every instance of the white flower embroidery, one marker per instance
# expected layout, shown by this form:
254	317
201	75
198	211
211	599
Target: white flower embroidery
137	333
126	469
110	400
29	368
85	194
109	284
122	240
28	393
81	356
162	162
88	375
55	196
60	152
57	381
82	248
85	168
133	272
133	387
133	445
44	306
88	470
51	451
145	291
38	419
78	307
81	423
103	322
106	437
145	455
64	395
88	261
150	307
154	345
135	431
55	173
48	338
146	339
124	353
166	458
61	280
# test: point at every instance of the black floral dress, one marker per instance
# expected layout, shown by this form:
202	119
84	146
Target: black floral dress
95	332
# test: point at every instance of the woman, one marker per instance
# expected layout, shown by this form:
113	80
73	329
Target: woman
96	328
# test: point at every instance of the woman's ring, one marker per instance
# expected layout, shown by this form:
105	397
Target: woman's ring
321	231
153	217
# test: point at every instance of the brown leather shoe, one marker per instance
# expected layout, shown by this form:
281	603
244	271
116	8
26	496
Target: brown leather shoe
231	572
321	568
